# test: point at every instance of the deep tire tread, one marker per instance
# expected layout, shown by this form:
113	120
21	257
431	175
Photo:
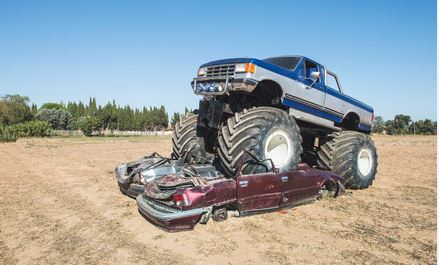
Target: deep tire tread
243	131
339	155
184	138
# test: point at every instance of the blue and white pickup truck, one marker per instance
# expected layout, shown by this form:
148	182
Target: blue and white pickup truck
309	89
283	109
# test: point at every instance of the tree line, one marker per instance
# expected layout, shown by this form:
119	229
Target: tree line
90	118
403	124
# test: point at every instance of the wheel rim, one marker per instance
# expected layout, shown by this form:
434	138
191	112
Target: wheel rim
364	162
278	148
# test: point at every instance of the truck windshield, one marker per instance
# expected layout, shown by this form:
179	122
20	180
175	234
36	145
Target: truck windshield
287	62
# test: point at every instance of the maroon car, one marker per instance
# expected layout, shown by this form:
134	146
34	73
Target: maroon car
179	201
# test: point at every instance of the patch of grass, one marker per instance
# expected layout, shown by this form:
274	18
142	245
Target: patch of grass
276	256
160	236
392	240
126	214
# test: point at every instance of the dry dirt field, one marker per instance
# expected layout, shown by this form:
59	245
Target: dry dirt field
59	203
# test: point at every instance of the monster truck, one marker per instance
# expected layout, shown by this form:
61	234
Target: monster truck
288	109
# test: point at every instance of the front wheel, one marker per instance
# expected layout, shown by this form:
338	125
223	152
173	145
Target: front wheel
267	133
351	155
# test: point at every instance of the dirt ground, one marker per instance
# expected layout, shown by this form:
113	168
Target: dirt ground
59	203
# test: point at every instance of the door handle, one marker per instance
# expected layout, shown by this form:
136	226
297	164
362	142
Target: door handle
243	183
284	178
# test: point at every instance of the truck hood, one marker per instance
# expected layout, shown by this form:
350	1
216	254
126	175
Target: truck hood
228	61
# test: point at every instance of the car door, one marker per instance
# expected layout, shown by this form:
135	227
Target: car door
298	186
258	191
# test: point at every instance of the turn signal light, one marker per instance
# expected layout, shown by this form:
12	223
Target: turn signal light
245	68
250	68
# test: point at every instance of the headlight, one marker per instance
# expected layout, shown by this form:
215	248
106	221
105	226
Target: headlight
245	68
240	68
202	71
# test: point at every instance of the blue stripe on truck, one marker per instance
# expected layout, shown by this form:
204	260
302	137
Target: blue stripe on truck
311	110
320	113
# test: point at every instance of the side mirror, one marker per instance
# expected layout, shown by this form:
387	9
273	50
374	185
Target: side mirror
315	75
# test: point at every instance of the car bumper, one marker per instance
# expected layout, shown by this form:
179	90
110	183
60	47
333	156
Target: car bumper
171	221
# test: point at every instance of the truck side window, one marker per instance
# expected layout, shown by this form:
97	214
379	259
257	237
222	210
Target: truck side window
309	68
332	82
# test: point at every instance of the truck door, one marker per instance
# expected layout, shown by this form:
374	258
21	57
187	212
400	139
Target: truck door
258	191
308	95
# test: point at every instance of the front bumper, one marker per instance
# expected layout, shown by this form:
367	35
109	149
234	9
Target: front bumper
209	85
169	220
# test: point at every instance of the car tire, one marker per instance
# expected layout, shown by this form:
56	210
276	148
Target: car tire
185	139
265	132
351	155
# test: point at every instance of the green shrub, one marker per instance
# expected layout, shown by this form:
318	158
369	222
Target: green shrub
8	134
34	129
88	125
59	119
28	129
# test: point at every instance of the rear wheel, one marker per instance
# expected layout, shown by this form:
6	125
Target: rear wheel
266	133
351	155
185	141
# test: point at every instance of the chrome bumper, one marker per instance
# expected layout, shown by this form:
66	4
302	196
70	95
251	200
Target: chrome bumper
163	216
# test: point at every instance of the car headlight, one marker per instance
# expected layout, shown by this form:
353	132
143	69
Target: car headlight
202	71
245	68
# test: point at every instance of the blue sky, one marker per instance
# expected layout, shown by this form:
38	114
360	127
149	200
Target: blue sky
147	52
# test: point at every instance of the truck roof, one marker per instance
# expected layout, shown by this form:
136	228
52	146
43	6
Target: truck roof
248	59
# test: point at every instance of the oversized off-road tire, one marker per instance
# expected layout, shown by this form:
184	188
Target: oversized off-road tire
351	155
185	139
265	132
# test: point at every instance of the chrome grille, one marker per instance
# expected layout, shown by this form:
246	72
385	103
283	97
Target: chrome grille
220	70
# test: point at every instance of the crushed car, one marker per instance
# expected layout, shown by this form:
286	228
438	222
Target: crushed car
132	177
178	201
